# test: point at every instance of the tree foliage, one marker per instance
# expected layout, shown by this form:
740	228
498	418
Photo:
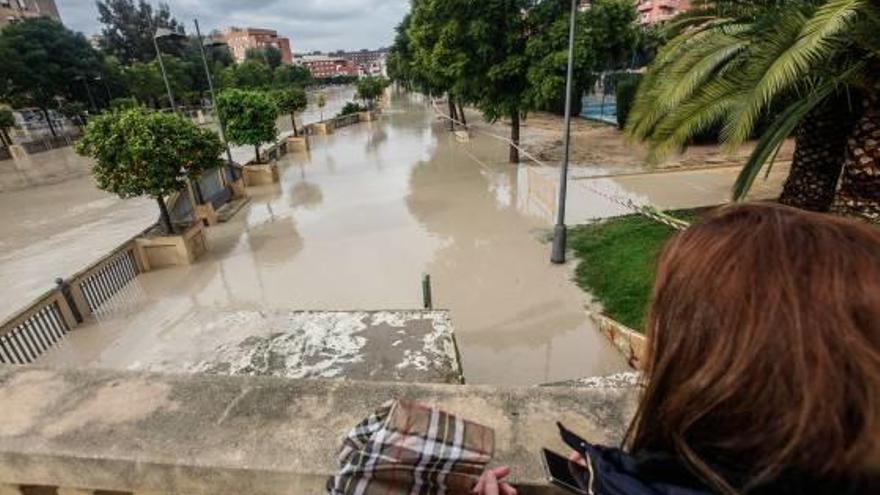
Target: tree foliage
290	101
250	74
249	117
371	88
139	152
270	55
731	62
291	75
129	28
42	60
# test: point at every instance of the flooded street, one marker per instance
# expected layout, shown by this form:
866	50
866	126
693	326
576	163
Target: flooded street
354	225
56	230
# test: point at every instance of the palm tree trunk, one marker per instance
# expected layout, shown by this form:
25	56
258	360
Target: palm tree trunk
514	137
859	193
820	143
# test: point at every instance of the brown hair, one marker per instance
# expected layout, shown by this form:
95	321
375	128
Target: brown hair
764	347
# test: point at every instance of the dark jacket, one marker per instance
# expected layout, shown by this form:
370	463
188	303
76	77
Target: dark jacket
618	473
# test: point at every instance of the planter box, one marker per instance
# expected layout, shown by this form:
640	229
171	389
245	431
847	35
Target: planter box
239	190
462	136
299	143
206	214
18	152
260	174
172	250
323	128
627	341
368	116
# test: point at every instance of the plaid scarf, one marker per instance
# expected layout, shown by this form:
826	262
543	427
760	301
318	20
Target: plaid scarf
407	448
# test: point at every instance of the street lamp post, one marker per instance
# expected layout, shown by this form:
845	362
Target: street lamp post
211	89
85	81
559	231
165	33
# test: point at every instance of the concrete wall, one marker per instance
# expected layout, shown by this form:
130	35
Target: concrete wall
142	432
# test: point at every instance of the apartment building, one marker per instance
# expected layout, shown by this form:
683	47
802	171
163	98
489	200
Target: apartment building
16	10
240	40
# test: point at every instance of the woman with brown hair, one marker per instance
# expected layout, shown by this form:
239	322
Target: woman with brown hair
762	371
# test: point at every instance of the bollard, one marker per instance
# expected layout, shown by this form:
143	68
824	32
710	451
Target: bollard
426	292
64	288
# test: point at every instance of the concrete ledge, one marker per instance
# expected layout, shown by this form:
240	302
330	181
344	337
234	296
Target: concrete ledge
201	434
629	342
322	128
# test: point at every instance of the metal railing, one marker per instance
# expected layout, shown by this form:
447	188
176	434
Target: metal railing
27	335
109	277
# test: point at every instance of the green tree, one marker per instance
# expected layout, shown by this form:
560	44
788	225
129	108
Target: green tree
145	153
75	111
129	28
250	74
144	81
292	75
371	88
7	121
270	55
249	117
321	101
290	101
803	62
41	61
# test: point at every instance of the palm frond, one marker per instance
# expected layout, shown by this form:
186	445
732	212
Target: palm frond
784	125
790	51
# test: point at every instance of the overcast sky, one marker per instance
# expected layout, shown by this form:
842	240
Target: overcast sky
310	24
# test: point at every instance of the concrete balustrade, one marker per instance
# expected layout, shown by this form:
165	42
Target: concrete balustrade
197	434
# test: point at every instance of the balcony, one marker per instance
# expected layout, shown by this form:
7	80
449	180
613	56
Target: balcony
87	430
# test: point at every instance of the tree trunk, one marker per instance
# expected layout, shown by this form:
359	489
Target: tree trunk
461	114
451	113
256	153
859	193
166	217
293	123
4	136
49	121
514	137
820	143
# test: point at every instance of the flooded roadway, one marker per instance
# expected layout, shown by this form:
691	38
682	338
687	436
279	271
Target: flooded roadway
355	225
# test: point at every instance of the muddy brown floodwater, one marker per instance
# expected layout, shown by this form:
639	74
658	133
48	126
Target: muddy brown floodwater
353	226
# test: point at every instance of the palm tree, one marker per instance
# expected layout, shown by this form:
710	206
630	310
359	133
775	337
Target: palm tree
809	68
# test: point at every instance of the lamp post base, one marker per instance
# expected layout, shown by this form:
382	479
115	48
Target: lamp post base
559	240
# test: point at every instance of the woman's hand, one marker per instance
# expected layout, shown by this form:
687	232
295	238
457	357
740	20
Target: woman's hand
492	482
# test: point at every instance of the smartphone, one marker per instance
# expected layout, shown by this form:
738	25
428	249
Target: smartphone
568	475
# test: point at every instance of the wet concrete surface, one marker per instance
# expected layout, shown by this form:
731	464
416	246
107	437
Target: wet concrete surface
390	346
354	225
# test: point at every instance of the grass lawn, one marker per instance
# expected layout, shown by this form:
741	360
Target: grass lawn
616	262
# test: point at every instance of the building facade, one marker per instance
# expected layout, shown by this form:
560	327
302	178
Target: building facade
16	10
329	66
240	40
654	11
